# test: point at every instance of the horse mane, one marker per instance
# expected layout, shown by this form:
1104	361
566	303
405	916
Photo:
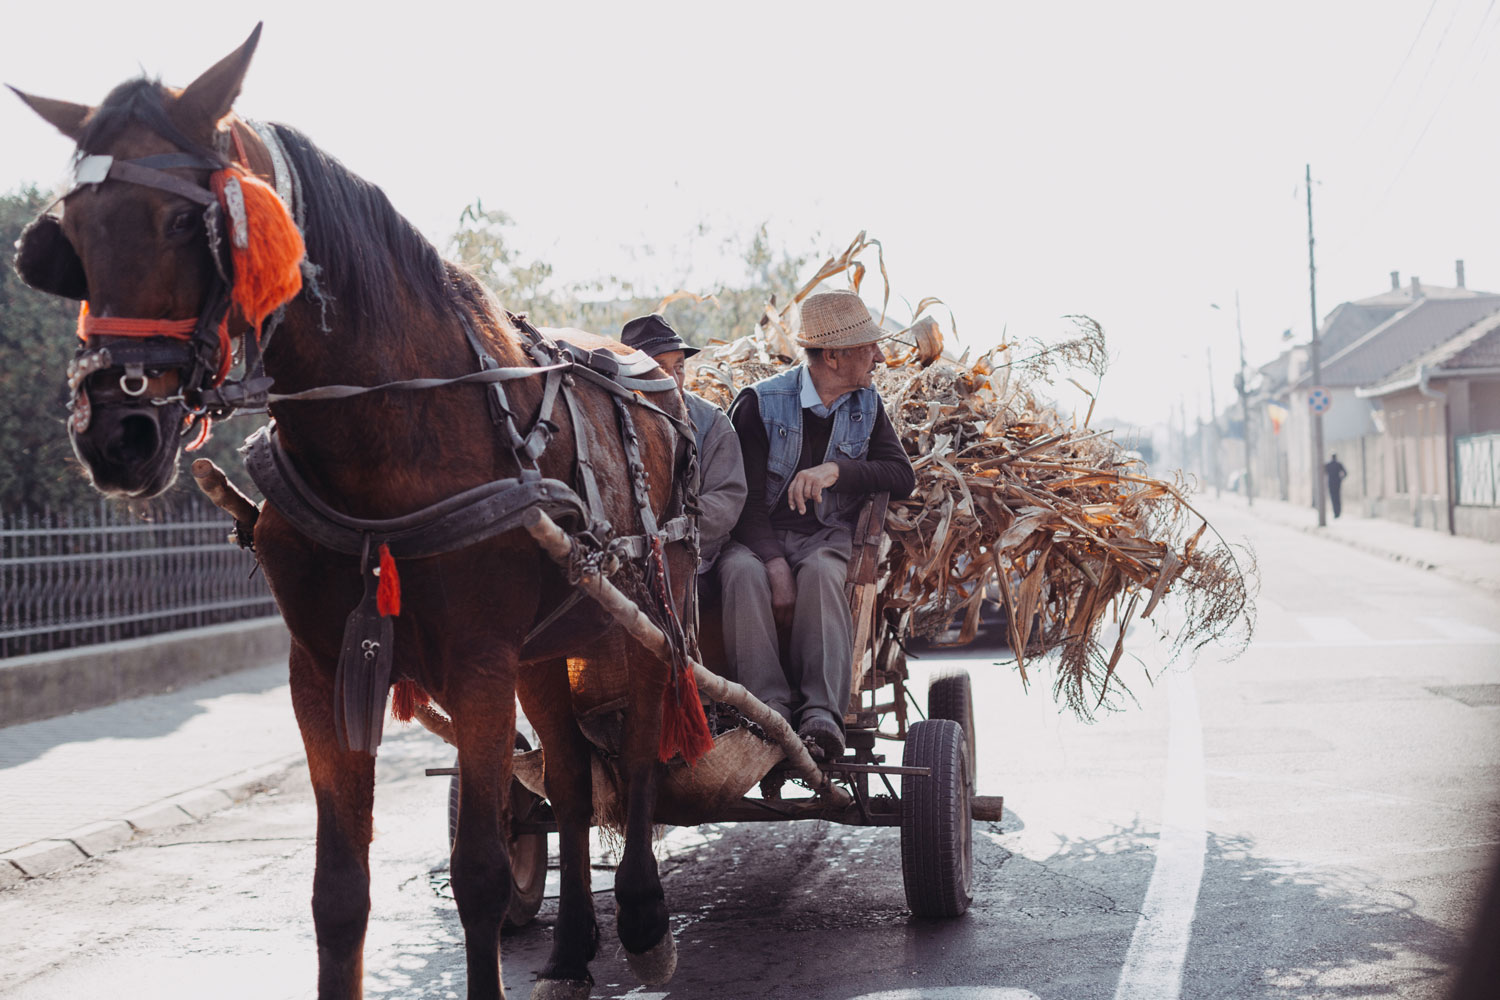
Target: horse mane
364	248
142	101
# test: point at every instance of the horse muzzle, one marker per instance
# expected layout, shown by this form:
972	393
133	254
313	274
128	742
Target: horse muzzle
128	447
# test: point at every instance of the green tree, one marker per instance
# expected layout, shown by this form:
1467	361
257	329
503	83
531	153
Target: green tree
37	467
603	304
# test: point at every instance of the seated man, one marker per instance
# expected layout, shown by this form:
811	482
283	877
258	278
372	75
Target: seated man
817	442
721	472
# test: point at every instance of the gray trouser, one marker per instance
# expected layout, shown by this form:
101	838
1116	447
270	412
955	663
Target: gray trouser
816	678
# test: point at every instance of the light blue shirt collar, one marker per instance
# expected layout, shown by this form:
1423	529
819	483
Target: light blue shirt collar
812	401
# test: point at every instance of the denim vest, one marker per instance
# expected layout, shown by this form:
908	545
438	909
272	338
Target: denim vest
780	400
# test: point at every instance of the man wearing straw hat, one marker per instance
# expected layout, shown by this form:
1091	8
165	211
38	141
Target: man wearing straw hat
721	472
816	442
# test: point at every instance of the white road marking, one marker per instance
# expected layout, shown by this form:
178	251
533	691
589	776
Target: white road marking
1158	948
1367	641
953	993
1340	630
1453	628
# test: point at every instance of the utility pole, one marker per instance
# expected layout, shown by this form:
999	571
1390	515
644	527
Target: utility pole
1239	384
1213	420
1317	377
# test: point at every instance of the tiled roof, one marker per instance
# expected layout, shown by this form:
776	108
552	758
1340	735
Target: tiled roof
1484	352
1352	320
1479	340
1403	338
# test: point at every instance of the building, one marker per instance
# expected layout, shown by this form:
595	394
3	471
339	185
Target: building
1364	344
1439	418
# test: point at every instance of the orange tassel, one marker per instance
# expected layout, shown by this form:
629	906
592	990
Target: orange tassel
268	272
684	727
388	594
405	699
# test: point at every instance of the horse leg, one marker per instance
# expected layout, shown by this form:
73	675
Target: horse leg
543	687
344	787
484	725
640	903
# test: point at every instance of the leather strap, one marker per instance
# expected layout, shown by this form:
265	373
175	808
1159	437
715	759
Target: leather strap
464	519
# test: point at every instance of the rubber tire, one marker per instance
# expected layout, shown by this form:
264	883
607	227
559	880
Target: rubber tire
937	861
528	852
950	695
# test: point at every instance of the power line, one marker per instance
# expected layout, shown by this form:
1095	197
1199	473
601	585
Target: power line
1436	52
1441	101
1404	60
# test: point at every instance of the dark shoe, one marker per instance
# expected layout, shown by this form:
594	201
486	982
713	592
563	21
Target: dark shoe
824	738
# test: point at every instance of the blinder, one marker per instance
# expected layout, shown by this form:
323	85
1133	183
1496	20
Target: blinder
46	260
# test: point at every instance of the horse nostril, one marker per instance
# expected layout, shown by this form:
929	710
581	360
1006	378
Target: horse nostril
134	440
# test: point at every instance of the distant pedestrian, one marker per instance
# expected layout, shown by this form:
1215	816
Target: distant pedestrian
1336	473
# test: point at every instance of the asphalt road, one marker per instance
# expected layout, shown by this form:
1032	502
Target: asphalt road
1312	819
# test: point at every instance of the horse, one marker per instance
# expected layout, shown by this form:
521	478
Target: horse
404	394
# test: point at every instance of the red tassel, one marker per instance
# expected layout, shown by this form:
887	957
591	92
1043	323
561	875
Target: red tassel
205	425
405	699
388	594
684	727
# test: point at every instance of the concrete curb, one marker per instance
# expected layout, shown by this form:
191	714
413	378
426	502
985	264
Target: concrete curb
44	685
43	857
1447	572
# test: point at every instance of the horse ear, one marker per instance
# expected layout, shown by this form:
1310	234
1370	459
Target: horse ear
203	102
66	117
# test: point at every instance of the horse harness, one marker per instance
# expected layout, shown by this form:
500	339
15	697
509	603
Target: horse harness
200	348
493	508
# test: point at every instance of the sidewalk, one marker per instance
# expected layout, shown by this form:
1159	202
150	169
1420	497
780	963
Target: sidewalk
85	783
1468	560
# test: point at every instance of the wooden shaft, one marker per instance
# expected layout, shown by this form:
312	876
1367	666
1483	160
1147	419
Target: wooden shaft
435	722
224	494
556	543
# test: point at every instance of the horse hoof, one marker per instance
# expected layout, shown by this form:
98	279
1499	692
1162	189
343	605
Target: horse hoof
656	965
562	989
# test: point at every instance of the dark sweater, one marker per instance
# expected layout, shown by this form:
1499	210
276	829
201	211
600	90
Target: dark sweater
885	468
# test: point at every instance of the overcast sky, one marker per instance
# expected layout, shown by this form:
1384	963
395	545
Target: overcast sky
1132	161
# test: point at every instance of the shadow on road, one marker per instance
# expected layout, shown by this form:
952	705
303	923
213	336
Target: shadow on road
136	719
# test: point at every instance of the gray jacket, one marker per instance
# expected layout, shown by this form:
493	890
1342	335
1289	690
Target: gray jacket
721	477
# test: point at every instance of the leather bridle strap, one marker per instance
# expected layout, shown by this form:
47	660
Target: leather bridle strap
148	171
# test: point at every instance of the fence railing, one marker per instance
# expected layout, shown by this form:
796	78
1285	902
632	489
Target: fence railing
85	577
1477	464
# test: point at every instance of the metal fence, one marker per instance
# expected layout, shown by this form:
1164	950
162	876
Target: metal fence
1477	464
84	577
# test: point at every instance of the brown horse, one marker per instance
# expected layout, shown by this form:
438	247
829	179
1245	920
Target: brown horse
144	246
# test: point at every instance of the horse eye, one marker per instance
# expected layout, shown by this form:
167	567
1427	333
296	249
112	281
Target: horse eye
182	223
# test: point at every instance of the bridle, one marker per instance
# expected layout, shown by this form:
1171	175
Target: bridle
200	349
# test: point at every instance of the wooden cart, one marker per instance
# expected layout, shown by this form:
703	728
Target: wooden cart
936	803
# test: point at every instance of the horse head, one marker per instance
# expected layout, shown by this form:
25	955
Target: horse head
145	241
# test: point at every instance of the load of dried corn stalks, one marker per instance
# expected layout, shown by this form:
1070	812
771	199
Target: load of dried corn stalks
1016	502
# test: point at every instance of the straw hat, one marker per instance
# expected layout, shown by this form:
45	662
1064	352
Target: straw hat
837	319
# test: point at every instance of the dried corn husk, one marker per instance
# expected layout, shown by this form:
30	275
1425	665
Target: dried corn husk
1012	499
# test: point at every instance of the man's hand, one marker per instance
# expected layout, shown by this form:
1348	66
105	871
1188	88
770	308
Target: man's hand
783	591
809	484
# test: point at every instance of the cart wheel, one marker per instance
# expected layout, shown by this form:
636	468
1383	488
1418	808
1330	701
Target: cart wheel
528	851
936	821
951	696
